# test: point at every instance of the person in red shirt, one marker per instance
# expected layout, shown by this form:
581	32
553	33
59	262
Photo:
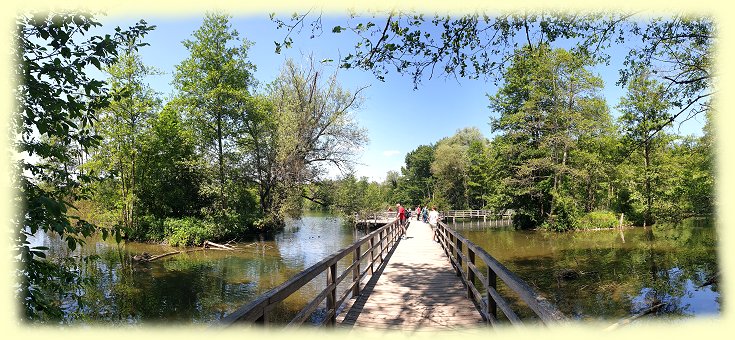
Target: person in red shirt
401	218
418	212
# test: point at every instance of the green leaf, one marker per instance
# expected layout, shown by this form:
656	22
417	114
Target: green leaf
95	62
337	29
71	243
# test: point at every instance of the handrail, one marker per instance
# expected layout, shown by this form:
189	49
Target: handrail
475	213
257	311
380	215
454	246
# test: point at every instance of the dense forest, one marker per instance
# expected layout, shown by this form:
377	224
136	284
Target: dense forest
229	155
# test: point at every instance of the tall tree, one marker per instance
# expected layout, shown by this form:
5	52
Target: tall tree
478	175
213	82
258	148
121	126
451	166
548	102
417	174
315	129
644	111
58	103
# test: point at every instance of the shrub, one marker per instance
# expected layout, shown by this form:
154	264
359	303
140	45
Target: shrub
149	228
523	221
597	219
189	231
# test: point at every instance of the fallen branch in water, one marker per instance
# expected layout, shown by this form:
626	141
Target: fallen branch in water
169	254
208	244
145	257
632	318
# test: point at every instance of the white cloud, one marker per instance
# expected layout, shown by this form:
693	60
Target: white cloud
391	153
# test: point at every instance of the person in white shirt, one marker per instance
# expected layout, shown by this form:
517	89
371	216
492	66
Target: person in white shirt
433	219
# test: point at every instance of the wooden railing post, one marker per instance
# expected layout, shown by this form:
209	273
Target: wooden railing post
470	273
382	249
492	282
372	255
332	295
356	272
458	243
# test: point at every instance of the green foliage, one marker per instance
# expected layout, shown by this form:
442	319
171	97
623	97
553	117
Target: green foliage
314	128
169	172
189	231
644	112
482	45
597	219
213	84
121	127
549	104
417	182
58	103
150	228
556	144
564	215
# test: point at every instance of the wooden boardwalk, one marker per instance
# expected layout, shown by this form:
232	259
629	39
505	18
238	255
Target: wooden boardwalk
417	290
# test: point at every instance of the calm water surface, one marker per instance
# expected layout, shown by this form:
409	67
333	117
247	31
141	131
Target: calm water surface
201	286
617	273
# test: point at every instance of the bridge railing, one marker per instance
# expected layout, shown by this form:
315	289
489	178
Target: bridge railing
377	216
463	254
373	247
476	213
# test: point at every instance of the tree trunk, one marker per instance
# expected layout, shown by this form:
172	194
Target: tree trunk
221	162
647	160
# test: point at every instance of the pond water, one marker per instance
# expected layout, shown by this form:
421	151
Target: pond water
614	273
619	273
199	286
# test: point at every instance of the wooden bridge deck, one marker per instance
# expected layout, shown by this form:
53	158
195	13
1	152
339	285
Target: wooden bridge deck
417	290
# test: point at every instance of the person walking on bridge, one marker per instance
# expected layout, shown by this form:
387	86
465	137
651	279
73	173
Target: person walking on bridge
401	218
433	222
418	212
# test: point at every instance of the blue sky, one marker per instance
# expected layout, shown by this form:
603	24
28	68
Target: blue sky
397	117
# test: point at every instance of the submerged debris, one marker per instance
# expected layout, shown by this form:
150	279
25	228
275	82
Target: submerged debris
142	257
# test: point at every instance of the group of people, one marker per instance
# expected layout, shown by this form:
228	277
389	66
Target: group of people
430	216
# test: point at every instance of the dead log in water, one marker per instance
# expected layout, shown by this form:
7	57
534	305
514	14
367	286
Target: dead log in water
208	244
145	257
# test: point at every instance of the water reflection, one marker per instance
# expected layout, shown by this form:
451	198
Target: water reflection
616	274
610	274
198	286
